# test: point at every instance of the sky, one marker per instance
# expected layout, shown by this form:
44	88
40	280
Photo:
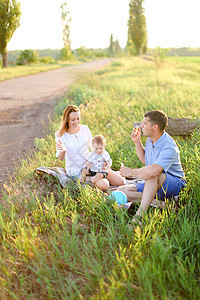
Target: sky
170	23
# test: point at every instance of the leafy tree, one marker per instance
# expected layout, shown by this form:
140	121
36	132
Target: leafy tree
117	46
111	48
137	32
114	47
26	57
65	53
66	24
9	21
131	47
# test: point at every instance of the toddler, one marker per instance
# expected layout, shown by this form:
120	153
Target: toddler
98	161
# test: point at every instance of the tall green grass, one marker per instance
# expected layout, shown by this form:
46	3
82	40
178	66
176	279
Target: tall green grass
75	243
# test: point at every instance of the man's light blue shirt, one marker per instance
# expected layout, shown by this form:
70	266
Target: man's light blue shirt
164	153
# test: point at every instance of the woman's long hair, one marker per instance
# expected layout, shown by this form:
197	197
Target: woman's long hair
65	122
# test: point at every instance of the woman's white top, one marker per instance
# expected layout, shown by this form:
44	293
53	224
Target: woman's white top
78	147
98	161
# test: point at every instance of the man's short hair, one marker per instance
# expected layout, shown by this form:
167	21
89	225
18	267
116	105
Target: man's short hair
157	117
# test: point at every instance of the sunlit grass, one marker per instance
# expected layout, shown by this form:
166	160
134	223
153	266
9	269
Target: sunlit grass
74	243
185	59
16	71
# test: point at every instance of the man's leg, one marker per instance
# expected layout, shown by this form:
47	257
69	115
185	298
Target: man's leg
131	192
150	188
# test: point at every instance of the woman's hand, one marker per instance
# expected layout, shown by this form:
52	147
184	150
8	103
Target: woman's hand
60	146
136	134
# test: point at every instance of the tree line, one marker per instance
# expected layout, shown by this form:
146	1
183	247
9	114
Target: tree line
137	37
10	13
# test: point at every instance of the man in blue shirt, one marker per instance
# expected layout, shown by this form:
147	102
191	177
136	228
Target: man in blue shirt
162	173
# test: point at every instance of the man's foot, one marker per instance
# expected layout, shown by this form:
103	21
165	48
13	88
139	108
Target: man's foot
158	203
136	221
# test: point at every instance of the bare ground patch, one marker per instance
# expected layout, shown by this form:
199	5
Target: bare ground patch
26	103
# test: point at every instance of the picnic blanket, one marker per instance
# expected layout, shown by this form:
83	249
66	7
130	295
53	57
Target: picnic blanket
64	180
62	177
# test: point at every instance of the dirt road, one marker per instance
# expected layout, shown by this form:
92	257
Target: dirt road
26	103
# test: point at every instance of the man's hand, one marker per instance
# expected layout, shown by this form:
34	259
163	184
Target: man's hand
126	172
60	146
136	134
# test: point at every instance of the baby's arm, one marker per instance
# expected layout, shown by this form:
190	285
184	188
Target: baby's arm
108	161
107	164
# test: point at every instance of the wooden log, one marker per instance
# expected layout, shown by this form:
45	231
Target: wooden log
180	126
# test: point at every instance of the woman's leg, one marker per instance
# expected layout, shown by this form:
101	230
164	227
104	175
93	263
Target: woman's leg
114	178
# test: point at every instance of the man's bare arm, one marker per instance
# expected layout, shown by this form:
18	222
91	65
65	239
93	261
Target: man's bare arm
140	151
136	138
145	173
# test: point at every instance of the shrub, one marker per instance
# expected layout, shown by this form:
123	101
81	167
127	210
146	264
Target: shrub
66	53
47	60
26	57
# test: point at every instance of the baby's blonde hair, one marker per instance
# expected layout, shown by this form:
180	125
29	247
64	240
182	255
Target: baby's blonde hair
99	140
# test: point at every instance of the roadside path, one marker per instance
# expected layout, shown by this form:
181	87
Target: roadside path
26	103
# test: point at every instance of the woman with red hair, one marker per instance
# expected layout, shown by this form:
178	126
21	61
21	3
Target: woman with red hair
73	143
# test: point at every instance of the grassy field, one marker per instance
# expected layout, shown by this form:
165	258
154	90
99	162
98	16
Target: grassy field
185	59
71	243
16	71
